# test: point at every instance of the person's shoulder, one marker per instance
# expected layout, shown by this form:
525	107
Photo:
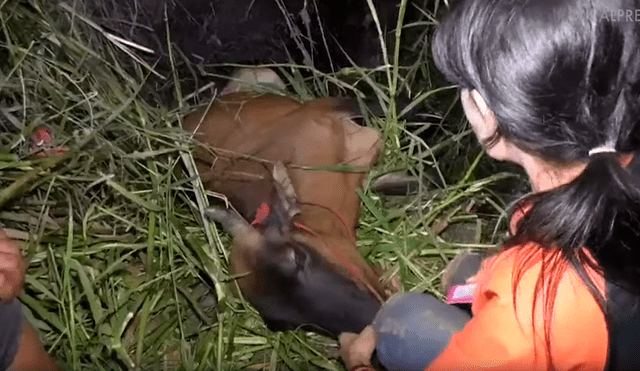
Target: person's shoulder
521	257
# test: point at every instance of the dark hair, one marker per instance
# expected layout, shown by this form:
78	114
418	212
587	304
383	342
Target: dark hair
562	77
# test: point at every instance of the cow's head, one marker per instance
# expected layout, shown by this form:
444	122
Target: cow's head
285	271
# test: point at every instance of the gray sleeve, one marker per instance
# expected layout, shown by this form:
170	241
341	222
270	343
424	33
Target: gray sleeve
412	330
10	330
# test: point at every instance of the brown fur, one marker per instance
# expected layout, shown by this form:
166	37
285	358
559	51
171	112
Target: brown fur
242	135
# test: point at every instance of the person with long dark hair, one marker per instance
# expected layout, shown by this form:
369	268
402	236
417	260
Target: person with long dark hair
553	86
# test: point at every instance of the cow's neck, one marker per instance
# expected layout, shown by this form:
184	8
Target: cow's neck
327	220
328	200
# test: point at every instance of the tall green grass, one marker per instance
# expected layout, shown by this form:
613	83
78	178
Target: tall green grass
125	273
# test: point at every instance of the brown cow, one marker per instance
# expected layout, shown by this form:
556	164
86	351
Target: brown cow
298	260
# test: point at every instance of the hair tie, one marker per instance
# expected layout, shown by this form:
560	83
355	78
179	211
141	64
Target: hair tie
602	149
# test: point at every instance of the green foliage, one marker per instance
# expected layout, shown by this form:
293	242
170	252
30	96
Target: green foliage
125	274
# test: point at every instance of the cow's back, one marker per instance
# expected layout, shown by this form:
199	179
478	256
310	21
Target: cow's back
243	134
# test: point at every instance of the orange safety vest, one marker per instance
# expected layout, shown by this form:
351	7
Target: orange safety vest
501	336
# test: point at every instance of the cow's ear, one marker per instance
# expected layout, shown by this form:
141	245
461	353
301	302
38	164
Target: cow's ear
290	258
285	204
362	144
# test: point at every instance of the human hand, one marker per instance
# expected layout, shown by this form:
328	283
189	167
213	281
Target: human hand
357	349
13	267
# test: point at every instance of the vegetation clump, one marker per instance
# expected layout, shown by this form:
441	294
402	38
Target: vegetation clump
125	273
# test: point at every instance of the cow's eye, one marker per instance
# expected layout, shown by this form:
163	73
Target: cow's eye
291	260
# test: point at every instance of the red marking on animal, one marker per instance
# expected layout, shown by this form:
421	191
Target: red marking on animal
298	261
42	143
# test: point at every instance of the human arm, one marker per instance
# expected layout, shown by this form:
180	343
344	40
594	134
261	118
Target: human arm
13	267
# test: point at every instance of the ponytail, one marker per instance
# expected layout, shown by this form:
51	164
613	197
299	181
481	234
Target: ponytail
599	211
